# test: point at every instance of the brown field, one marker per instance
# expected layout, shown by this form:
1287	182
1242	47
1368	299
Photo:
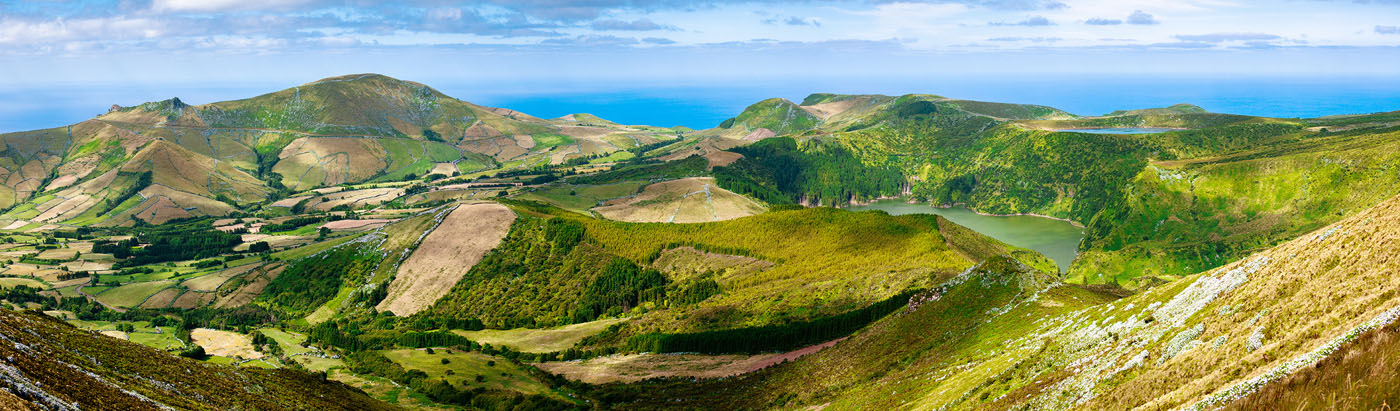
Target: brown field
325	161
289	201
42	272
722	158
704	147
164	204
443	168
211	282
356	198
191	299
11	282
254	285
59	254
356	224
637	367
224	343
540	340
462	238
162	299
687	200
88	265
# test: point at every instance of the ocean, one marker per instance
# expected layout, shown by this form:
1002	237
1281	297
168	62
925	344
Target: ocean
704	106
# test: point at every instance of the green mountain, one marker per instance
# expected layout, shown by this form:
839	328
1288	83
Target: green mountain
211	159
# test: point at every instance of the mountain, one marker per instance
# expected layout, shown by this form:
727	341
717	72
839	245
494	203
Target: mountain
208	160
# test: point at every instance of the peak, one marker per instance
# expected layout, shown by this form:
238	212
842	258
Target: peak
364	78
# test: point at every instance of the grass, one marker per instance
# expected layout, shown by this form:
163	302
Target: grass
539	340
581	198
465	366
547	140
1187	216
846	261
131	295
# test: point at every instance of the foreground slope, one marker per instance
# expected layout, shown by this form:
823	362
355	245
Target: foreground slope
1201	342
52	365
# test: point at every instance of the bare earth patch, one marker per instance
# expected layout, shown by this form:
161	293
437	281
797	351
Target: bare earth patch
355	224
540	340
446	254
224	343
687	200
637	367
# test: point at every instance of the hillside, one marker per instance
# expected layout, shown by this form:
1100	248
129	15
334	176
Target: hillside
52	365
1211	189
1015	339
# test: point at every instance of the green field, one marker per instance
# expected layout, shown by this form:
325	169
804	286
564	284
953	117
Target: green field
465	366
131	295
580	198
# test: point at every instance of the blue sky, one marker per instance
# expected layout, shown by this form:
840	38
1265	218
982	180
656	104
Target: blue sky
695	62
679	41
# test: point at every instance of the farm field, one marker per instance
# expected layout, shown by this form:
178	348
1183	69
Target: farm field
687	200
447	253
538	340
581	198
465	366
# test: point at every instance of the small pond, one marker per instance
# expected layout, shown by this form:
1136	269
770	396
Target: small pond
1056	239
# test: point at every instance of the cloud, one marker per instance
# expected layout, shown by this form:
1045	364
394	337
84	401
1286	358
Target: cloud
208	6
1100	21
592	40
658	40
995	4
1387	29
1026	39
634	25
1033	21
1226	37
798	21
1137	17
1141	18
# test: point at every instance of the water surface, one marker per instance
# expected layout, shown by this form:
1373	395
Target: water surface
1056	239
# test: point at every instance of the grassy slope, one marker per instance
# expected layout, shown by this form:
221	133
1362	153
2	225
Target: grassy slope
1199	342
105	373
846	261
1179	217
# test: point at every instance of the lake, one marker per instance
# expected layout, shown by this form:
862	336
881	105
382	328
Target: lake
1119	130
1056	239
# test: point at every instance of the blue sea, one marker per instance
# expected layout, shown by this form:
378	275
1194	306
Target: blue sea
684	103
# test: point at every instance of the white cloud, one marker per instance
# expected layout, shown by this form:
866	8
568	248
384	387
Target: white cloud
207	6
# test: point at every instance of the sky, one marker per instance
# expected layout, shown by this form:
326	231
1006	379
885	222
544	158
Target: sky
533	47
